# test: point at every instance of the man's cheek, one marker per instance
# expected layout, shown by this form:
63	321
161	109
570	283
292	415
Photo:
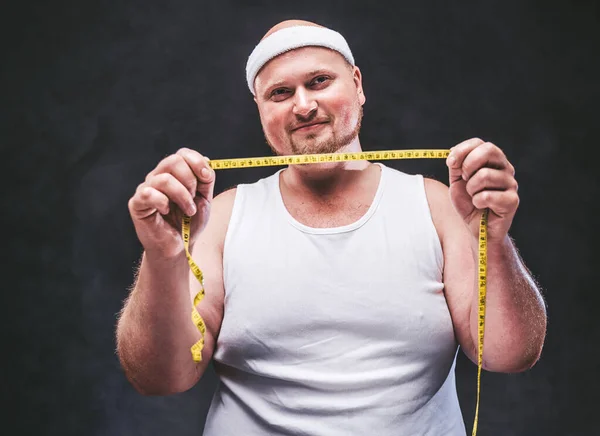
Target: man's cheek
277	132
347	116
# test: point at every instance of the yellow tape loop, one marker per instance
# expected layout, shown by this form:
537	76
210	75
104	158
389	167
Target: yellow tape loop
251	162
196	318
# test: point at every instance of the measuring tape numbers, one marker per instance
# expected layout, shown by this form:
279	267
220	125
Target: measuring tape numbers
252	162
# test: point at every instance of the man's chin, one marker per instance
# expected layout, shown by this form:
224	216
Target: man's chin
316	147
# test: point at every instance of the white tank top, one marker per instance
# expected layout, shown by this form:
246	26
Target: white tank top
335	331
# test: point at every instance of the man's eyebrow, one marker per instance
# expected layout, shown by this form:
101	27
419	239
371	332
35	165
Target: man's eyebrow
319	71
279	83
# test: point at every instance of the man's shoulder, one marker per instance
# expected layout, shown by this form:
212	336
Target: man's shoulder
435	189
445	217
223	203
440	207
220	214
227	195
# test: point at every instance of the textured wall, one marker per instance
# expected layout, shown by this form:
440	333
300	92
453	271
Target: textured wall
93	94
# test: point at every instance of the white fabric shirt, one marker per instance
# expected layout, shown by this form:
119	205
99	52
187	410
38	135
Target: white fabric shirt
335	331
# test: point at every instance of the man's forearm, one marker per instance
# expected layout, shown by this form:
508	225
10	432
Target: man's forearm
515	322
154	332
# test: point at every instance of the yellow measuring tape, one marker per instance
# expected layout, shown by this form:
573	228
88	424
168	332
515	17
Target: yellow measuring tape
251	162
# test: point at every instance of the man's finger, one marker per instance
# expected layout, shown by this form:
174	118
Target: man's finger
147	200
206	184
486	155
491	179
502	203
194	159
179	168
457	155
174	190
201	167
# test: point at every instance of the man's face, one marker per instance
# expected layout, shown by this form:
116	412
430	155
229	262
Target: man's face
310	101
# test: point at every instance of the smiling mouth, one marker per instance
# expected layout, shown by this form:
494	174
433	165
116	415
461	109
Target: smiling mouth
310	127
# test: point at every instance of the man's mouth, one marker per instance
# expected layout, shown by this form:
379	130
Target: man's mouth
308	127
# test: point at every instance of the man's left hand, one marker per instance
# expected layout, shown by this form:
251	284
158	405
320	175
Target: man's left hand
481	177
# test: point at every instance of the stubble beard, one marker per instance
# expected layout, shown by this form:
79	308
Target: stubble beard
310	145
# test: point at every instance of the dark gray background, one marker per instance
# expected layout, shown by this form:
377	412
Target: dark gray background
95	93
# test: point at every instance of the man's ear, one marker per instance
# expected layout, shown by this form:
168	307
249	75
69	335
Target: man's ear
357	77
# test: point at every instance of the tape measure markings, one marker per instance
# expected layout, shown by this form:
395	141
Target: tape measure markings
482	287
225	164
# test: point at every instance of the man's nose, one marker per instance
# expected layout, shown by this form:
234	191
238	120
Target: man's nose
304	103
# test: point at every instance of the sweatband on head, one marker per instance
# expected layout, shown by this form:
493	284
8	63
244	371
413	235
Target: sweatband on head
291	38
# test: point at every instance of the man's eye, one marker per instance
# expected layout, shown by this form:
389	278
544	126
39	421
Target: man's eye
279	92
319	80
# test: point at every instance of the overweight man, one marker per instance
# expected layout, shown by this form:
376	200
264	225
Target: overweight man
337	294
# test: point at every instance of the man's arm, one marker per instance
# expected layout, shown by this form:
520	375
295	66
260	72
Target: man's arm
155	330
515	323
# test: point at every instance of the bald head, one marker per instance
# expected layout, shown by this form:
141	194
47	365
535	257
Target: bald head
290	23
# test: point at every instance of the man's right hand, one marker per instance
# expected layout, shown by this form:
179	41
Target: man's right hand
182	183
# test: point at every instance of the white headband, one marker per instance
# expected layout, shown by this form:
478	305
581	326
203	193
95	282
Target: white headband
291	38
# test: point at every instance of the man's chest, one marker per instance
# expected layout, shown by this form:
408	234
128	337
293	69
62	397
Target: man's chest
327	216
